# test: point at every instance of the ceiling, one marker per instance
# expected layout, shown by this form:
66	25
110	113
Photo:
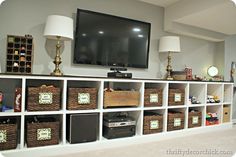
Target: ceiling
163	3
208	19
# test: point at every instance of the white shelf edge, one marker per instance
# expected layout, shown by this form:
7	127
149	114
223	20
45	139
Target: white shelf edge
213	104
121	109
82	111
10	114
154	108
43	112
180	106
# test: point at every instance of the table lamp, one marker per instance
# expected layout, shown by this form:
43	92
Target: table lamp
59	28
169	44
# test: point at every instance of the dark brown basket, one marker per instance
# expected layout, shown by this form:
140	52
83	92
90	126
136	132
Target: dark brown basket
10	132
176	97
33	138
194	119
175	121
153	97
48	104
76	96
152	123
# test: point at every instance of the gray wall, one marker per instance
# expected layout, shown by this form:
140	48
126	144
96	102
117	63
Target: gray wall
230	56
19	17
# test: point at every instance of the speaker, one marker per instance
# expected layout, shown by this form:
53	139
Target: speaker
82	127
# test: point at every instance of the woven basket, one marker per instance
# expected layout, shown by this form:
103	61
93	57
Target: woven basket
10	139
35	131
153	97
82	98
121	98
175	121
176	97
152	123
194	119
44	98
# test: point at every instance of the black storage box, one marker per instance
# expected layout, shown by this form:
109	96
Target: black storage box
82	127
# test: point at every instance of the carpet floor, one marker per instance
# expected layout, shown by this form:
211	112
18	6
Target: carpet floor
212	144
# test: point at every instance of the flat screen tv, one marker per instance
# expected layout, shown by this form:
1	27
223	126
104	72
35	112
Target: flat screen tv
108	40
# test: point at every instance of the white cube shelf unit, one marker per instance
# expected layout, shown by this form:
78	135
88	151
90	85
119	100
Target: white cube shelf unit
8	83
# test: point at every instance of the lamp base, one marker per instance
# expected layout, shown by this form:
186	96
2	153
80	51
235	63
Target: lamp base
57	73
169	78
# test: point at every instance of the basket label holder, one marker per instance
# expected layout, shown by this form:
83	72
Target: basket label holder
177	122
154	124
83	98
3	136
45	98
195	120
44	134
177	97
153	98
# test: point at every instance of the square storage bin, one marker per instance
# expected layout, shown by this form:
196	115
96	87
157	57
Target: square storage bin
8	135
226	114
175	121
152	123
82	98
44	98
176	97
153	97
194	119
42	132
121	99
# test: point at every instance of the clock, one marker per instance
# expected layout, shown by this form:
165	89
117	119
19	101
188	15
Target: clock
212	71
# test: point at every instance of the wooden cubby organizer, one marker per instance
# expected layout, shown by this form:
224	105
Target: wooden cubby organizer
224	90
19	54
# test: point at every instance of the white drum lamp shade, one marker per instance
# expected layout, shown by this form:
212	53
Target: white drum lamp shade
169	44
59	26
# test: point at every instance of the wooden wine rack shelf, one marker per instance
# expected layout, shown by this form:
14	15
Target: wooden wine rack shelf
19	54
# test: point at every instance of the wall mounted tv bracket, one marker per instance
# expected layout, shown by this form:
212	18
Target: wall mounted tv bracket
118	74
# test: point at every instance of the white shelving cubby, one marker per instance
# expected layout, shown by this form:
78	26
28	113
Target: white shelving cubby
8	84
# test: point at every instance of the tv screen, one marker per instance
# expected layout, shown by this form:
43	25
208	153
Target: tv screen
102	39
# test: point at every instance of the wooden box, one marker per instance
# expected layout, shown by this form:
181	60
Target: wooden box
121	98
8	136
44	98
152	123
226	114
175	121
194	119
153	97
176	97
82	98
178	75
42	133
19	54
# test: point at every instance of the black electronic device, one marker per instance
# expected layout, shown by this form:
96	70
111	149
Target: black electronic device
82	127
118	74
109	40
118	126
